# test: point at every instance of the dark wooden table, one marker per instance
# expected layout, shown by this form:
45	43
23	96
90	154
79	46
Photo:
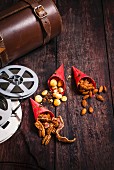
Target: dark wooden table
87	42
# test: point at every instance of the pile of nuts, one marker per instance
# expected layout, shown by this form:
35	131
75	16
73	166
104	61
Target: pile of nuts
55	95
48	126
87	89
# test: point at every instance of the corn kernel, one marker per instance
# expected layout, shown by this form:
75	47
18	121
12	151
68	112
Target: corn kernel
53	82
38	98
64	98
60	83
57	102
44	93
60	90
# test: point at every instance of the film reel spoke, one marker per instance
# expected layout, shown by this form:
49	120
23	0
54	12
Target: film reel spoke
10	88
28	79
3	81
24	88
8	72
21	72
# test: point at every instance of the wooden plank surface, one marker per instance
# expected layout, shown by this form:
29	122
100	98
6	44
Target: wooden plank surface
86	42
109	31
83	45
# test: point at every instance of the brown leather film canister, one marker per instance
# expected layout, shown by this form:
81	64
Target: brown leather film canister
25	26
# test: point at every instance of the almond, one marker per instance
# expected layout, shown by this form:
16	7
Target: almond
85	97
90	109
90	94
100	89
83	112
84	103
100	98
104	89
95	91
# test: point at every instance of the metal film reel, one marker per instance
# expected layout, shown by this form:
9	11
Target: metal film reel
23	81
12	123
5	110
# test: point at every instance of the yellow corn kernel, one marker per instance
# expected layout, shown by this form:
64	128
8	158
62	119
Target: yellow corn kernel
57	102
38	98
64	98
53	82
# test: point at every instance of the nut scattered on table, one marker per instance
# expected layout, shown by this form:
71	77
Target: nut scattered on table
91	110
83	112
87	89
55	96
38	98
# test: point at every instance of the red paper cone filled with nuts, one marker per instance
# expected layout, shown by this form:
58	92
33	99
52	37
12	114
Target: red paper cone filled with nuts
39	109
84	82
57	81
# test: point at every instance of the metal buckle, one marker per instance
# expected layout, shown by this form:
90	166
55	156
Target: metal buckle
40	9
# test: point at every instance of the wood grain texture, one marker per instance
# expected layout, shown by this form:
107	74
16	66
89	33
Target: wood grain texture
109	30
83	45
86	42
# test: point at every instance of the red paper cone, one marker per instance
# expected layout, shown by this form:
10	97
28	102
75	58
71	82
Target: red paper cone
39	109
78	75
58	75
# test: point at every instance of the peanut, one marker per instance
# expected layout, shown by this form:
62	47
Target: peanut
60	90
58	96
44	93
60	83
57	102
38	98
53	82
64	99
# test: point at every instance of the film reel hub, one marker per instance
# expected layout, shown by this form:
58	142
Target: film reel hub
16	79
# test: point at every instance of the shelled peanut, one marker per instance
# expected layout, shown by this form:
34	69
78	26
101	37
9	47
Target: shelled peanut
55	95
47	126
87	89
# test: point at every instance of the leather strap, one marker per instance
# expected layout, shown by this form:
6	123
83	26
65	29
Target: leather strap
43	17
3	54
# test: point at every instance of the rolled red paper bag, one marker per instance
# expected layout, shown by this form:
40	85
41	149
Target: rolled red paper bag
39	109
59	78
79	75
